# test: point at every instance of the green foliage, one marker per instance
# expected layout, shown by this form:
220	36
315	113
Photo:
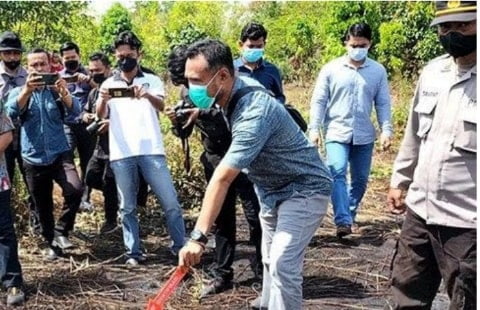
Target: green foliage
43	24
114	21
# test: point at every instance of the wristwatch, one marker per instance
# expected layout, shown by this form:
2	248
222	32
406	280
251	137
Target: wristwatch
197	236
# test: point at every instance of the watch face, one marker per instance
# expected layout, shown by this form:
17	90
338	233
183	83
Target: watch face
198	236
195	235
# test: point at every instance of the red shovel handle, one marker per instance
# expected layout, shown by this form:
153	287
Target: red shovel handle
168	289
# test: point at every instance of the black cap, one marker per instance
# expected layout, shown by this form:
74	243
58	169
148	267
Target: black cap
454	11
9	41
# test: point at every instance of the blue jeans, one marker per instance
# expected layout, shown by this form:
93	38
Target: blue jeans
10	270
346	199
155	172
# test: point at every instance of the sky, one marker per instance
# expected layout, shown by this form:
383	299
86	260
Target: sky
99	7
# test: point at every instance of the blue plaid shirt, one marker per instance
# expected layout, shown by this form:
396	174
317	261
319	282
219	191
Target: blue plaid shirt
269	146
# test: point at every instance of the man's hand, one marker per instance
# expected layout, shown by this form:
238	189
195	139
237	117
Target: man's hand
87	118
83	78
314	137
190	254
395	201
103	126
104	95
385	142
192	116
33	82
140	91
170	113
61	88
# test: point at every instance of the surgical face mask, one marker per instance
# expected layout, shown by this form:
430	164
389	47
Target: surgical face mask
357	53
71	65
12	65
127	64
199	94
457	44
98	78
252	55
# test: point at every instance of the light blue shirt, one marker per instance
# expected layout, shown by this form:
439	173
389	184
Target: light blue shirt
269	146
343	98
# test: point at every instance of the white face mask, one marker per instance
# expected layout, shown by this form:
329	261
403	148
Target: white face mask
357	53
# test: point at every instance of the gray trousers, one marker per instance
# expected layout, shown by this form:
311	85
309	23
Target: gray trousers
287	230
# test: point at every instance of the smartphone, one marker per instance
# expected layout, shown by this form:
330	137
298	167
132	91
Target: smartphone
71	79
48	78
121	92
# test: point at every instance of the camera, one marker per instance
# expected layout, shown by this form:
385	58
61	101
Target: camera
48	78
181	116
121	92
71	79
94	126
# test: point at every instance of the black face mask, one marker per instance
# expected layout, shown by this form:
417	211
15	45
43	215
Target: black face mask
457	44
98	78
12	65
71	65
127	64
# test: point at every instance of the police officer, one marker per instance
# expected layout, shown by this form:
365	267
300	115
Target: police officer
12	74
436	166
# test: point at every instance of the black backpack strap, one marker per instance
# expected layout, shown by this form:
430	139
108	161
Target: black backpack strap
239	95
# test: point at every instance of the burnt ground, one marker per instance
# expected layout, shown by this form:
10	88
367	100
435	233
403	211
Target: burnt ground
338	275
352	274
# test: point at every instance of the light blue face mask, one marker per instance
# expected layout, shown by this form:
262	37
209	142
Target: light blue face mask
358	53
199	94
252	55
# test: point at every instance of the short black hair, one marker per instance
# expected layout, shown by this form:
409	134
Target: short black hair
128	38
253	31
176	65
69	46
38	50
100	57
217	54
358	30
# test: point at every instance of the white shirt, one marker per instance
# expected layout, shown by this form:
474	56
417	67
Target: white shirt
134	123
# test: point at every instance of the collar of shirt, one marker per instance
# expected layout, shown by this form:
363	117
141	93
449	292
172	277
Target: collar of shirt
239	63
451	67
346	62
20	72
117	77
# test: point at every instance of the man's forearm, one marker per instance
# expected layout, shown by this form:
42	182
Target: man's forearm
67	101
156	101
5	140
101	109
23	98
212	204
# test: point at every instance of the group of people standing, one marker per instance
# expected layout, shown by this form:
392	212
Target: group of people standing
254	150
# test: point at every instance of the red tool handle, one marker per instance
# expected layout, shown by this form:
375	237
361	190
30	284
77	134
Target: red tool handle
168	289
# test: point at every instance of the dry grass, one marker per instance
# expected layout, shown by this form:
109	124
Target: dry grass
338	275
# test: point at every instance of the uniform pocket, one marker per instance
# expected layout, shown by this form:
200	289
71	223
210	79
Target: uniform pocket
466	135
424	109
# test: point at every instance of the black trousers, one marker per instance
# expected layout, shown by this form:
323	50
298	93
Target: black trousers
225	234
100	176
427	253
12	155
10	270
40	184
79	138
